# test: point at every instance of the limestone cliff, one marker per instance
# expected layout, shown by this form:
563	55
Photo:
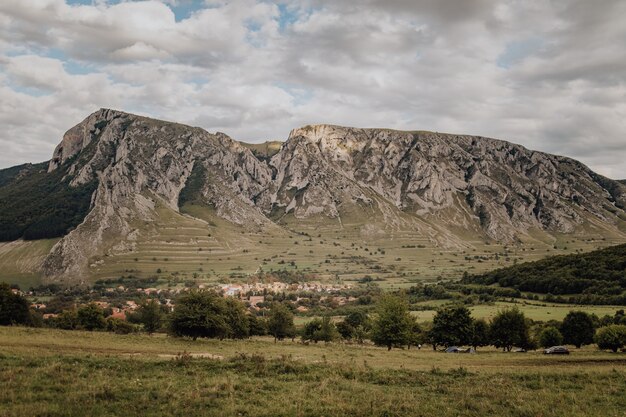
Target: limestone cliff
436	184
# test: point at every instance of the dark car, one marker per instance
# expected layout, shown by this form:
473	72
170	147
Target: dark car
556	350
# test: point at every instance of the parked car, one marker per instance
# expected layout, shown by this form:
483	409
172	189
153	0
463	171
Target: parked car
456	349
519	350
556	350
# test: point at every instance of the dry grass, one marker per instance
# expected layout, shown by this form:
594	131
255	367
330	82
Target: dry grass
56	373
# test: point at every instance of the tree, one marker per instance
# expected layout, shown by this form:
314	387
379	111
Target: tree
320	330
611	337
91	317
280	322
67	320
509	328
237	319
356	325
578	328
150	316
451	326
414	336
480	334
119	326
200	314
258	326
392	323
550	336
13	307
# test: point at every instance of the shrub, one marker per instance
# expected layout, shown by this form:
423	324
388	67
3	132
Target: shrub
13	307
91	317
612	337
119	326
550	336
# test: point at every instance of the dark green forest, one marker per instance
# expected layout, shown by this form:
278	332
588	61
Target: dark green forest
597	277
35	204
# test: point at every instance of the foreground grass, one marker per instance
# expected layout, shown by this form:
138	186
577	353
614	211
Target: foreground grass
55	373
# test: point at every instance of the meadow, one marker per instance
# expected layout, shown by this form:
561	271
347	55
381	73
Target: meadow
46	372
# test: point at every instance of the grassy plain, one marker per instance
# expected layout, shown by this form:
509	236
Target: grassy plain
535	310
47	372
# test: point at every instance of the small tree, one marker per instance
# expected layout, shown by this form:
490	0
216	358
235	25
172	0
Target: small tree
237	319
509	328
415	335
150	316
480	334
67	320
578	328
258	326
550	336
199	314
393	322
280	322
91	317
13	307
320	330
355	326
451	326
612	337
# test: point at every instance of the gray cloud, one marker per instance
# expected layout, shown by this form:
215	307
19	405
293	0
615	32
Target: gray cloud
548	75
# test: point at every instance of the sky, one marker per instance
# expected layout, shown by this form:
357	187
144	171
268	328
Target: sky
550	75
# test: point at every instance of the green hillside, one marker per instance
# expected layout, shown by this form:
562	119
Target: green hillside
36	204
600	274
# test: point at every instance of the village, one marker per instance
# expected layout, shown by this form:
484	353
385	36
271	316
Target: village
120	301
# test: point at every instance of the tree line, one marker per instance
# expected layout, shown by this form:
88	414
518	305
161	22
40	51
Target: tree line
206	314
597	277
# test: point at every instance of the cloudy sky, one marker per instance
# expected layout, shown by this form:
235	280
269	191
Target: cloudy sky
550	75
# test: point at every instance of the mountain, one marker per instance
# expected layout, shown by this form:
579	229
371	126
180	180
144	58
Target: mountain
125	194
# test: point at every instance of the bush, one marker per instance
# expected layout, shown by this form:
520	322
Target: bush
612	337
320	330
119	326
91	317
13	307
550	336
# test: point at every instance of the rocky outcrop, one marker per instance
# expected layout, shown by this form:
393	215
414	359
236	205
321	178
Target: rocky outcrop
141	163
424	181
506	188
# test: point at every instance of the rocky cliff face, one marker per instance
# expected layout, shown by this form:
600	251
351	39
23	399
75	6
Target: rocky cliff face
505	188
140	163
426	181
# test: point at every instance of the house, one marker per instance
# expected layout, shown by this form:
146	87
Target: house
256	299
120	315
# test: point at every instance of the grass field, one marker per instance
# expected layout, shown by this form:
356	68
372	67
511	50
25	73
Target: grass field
535	310
47	372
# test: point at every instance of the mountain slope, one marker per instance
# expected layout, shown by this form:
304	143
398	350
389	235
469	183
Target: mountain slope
598	273
149	190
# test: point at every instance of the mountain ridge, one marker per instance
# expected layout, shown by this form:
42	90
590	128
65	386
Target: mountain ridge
379	182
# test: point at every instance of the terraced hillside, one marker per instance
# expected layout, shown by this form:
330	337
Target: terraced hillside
332	203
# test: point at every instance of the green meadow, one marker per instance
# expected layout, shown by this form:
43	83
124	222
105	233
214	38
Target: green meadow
47	372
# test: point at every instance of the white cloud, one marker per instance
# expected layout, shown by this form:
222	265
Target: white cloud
551	76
